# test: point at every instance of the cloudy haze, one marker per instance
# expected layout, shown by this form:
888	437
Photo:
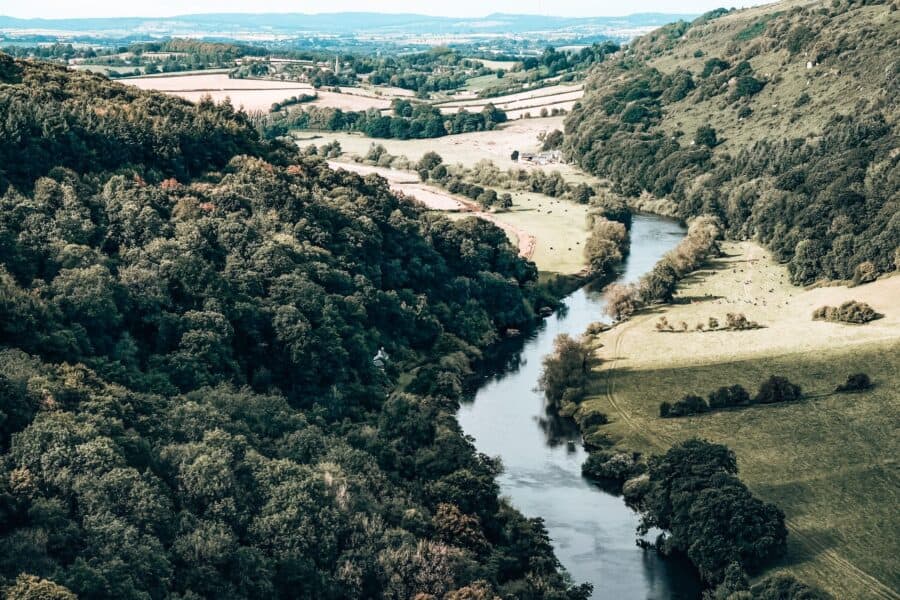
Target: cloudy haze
458	8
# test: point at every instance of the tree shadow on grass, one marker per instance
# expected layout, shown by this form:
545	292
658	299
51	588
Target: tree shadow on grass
695	299
805	544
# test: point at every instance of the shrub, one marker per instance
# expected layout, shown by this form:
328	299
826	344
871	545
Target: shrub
851	311
739	322
858	382
724	397
689	405
594	419
610	465
621	301
565	371
802	100
706	136
777	389
747	86
693	493
865	272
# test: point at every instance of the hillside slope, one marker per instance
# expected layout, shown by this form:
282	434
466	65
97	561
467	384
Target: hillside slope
781	119
189	320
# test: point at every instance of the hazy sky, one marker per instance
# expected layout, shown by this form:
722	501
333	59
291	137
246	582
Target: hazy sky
456	8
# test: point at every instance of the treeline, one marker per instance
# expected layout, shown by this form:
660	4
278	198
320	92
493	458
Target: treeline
200	357
775	389
823	204
660	283
556	61
485	173
419	122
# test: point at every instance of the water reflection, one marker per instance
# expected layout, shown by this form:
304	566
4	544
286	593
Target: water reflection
593	532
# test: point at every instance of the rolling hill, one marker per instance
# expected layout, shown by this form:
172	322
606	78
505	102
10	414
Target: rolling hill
781	120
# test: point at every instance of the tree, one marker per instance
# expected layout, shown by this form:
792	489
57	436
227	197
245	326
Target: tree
856	382
429	161
693	494
659	284
777	389
487	198
706	136
621	300
565	371
29	587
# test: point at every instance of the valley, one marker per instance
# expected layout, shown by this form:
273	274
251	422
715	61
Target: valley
389	305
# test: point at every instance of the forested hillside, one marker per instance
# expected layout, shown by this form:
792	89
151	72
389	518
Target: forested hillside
190	404
782	120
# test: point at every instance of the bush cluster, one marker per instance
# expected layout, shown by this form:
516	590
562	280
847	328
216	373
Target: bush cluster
851	311
774	389
693	494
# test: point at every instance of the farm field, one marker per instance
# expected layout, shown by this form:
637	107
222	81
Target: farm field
540	96
466	149
251	94
350	102
829	461
497	64
548	231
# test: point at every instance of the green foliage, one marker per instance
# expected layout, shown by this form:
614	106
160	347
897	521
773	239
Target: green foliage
606	245
851	311
777	389
714	65
798	37
226	431
565	372
53	118
689	405
694	495
822	204
746	85
29	587
706	136
723	397
857	382
612	467
783	586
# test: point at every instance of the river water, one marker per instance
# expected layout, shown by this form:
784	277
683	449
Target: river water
593	532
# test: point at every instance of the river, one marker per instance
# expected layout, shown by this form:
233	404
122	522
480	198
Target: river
593	532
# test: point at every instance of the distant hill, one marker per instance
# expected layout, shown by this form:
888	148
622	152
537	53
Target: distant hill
333	23
781	119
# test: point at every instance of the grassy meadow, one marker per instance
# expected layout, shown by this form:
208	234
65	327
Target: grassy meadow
829	461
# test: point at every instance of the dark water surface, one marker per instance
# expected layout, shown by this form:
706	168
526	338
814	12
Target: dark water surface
593	532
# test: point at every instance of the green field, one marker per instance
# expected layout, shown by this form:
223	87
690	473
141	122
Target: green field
829	461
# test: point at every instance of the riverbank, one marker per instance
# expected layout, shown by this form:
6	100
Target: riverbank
592	532
828	462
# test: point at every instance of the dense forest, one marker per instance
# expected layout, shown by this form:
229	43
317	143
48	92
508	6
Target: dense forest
782	124
202	336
